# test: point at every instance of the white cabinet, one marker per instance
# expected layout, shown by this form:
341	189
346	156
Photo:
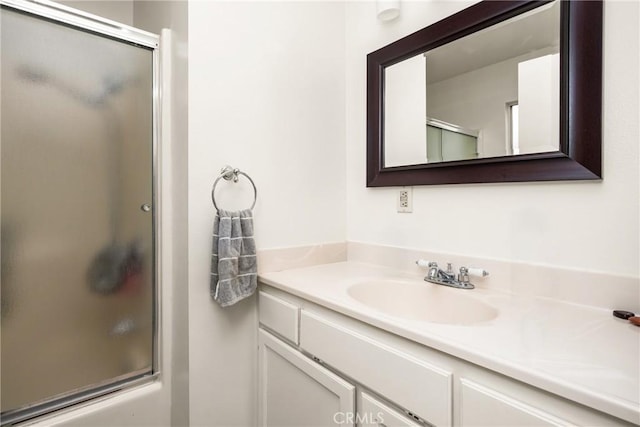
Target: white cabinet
374	413
296	391
399	382
413	383
482	406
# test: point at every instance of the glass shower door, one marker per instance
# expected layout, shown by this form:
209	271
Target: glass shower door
76	159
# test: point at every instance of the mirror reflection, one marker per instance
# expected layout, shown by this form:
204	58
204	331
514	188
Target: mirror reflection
490	94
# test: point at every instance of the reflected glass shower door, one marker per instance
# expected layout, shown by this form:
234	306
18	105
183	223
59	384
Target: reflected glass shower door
76	158
445	145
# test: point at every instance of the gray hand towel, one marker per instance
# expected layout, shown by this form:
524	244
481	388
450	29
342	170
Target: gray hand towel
234	272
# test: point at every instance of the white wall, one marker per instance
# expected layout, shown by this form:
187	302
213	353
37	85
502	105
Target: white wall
588	225
266	95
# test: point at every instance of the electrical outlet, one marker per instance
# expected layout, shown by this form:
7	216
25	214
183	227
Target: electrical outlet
404	200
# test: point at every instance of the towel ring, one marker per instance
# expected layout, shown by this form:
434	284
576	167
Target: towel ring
229	173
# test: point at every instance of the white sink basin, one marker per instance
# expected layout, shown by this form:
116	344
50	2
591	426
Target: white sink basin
422	301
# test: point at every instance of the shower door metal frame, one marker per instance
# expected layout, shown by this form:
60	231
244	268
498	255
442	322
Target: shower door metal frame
86	22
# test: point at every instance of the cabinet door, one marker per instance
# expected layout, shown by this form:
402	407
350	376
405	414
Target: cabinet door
410	382
374	413
481	406
296	391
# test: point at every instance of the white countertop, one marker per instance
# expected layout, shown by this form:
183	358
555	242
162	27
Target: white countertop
581	353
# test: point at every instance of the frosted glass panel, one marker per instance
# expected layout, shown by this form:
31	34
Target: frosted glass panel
77	249
434	144
458	146
446	145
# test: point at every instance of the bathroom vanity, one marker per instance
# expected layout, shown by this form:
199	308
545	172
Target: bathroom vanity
333	353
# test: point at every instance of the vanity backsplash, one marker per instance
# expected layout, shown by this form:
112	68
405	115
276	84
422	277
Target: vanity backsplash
592	288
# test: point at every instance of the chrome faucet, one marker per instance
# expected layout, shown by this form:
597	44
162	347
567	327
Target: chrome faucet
448	278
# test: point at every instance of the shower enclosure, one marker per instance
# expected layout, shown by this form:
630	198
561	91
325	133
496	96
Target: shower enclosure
78	125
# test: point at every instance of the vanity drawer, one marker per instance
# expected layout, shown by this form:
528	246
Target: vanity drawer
482	406
411	383
279	316
373	413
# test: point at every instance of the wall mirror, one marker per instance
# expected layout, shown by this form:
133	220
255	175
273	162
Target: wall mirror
501	91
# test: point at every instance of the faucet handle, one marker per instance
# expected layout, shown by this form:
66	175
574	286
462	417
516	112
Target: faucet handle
477	272
426	264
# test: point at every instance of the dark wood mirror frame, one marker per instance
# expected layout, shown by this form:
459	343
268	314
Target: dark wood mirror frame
580	156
